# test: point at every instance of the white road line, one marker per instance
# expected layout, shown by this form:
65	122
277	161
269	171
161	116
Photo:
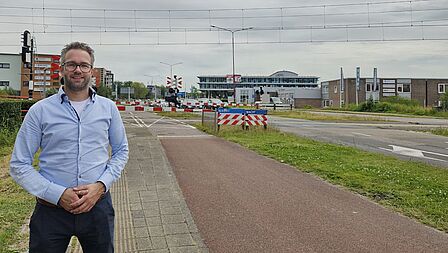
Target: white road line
143	123
155	122
366	135
413	152
133	117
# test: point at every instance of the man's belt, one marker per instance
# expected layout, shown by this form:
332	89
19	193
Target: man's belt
46	203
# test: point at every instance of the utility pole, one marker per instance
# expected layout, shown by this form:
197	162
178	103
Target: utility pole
233	31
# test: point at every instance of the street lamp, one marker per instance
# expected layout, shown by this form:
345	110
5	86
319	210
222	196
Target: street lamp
233	31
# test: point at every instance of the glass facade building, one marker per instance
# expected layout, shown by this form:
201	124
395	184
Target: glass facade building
222	87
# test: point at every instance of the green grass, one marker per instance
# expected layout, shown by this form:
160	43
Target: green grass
16	206
438	131
414	189
183	115
296	114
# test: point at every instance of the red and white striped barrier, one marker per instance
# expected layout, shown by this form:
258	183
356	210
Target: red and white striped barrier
140	108
256	120
230	119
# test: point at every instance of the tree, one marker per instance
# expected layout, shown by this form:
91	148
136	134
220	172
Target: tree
140	90
51	92
104	91
194	92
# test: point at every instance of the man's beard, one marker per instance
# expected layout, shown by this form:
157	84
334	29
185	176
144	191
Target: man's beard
76	87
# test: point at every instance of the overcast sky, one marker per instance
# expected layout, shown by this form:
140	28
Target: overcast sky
316	38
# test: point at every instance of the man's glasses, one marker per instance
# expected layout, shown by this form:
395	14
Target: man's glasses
71	66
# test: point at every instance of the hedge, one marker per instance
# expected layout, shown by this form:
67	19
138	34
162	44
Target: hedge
11	113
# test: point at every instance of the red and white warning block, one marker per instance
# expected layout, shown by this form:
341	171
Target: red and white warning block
256	120
231	119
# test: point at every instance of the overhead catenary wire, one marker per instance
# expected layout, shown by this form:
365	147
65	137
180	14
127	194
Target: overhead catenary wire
224	9
55	24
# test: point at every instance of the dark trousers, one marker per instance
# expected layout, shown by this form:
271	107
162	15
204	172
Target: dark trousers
51	228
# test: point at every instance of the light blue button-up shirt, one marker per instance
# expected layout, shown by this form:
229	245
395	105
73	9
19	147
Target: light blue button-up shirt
74	148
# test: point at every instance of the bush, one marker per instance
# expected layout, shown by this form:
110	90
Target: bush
401	101
11	114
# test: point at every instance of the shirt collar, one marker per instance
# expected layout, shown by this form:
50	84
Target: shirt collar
64	98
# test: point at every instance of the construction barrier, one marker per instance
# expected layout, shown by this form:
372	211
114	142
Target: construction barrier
231	119
241	117
256	120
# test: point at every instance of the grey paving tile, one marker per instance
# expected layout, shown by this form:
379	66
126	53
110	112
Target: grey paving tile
177	228
159	242
143	244
170	210
179	240
139	222
156	231
185	249
153	221
159	251
176	218
141	232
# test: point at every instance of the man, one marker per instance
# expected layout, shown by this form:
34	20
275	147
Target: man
73	130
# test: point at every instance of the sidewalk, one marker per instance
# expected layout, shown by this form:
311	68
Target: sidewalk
150	212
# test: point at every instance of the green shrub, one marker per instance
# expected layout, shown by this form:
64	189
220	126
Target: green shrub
11	113
400	100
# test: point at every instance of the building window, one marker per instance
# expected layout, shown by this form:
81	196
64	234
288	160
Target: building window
403	88
5	65
335	89
4	83
442	87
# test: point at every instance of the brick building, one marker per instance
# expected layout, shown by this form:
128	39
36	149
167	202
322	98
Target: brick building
425	90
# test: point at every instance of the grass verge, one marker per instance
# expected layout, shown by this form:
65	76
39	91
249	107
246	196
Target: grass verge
438	131
322	117
414	189
182	115
15	207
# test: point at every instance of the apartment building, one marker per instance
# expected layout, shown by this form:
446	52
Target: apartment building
102	76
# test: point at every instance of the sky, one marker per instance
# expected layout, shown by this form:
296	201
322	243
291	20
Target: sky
311	38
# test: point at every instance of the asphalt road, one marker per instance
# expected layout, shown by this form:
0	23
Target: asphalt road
243	202
388	138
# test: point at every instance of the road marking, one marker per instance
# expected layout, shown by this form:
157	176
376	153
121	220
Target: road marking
138	123
366	135
150	125
413	152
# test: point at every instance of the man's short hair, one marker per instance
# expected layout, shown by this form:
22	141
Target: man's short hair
77	45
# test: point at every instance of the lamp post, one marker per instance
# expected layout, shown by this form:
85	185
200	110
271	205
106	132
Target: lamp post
233	31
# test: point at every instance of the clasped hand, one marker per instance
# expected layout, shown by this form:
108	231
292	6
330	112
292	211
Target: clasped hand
81	199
